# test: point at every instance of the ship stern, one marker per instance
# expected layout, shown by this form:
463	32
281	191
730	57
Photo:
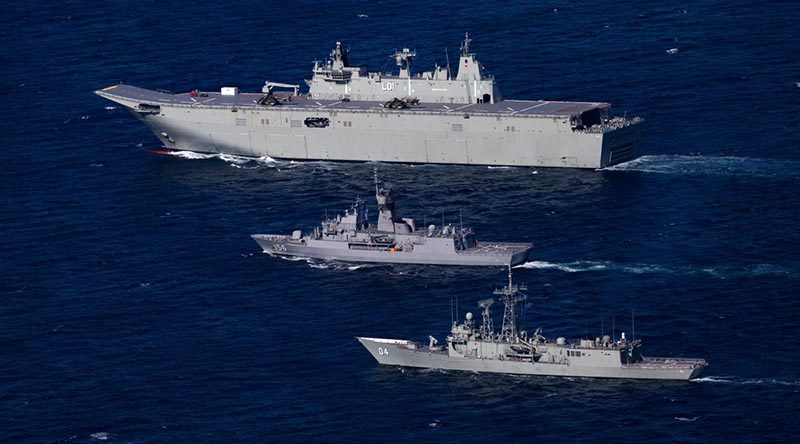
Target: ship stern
621	141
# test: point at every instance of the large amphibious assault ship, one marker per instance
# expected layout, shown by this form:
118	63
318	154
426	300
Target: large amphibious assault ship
482	349
351	114
350	237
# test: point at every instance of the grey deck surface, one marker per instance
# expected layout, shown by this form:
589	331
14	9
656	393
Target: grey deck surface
506	107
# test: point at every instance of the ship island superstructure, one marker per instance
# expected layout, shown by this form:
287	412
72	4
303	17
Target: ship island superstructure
351	237
481	348
351	114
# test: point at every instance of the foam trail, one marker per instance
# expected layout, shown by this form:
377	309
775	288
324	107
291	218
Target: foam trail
543	265
757	381
236	160
722	272
709	165
293	258
191	155
328	265
713	379
578	266
233	160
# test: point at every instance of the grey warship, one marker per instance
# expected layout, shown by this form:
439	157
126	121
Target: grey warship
350	114
350	237
480	349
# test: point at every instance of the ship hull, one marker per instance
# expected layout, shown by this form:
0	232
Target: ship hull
367	132
395	352
503	254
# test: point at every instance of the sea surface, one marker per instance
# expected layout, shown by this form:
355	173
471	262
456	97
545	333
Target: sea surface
135	308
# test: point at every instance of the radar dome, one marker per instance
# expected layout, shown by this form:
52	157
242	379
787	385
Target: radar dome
469	316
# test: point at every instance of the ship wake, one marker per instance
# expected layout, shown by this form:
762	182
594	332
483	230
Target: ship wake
232	160
330	265
709	165
722	272
753	381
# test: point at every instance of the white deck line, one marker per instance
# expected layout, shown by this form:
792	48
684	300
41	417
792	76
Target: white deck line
531	107
460	107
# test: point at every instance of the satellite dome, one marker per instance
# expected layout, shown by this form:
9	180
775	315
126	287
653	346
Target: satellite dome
469	316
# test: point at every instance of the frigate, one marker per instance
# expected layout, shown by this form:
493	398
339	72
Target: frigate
350	237
350	114
481	349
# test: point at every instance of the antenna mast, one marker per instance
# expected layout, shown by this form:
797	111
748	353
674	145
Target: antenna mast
456	305
613	328
446	56
510	299
633	326
586	326
602	324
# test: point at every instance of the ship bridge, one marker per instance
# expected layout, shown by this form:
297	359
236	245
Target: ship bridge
335	80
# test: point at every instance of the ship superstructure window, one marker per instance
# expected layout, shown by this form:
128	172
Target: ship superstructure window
458	127
316	122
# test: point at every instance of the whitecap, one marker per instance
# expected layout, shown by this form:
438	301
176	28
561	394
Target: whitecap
687	419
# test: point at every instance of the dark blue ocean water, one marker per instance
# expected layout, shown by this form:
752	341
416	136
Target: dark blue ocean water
135	308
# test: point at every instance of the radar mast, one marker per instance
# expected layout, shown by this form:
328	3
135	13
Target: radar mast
511	296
